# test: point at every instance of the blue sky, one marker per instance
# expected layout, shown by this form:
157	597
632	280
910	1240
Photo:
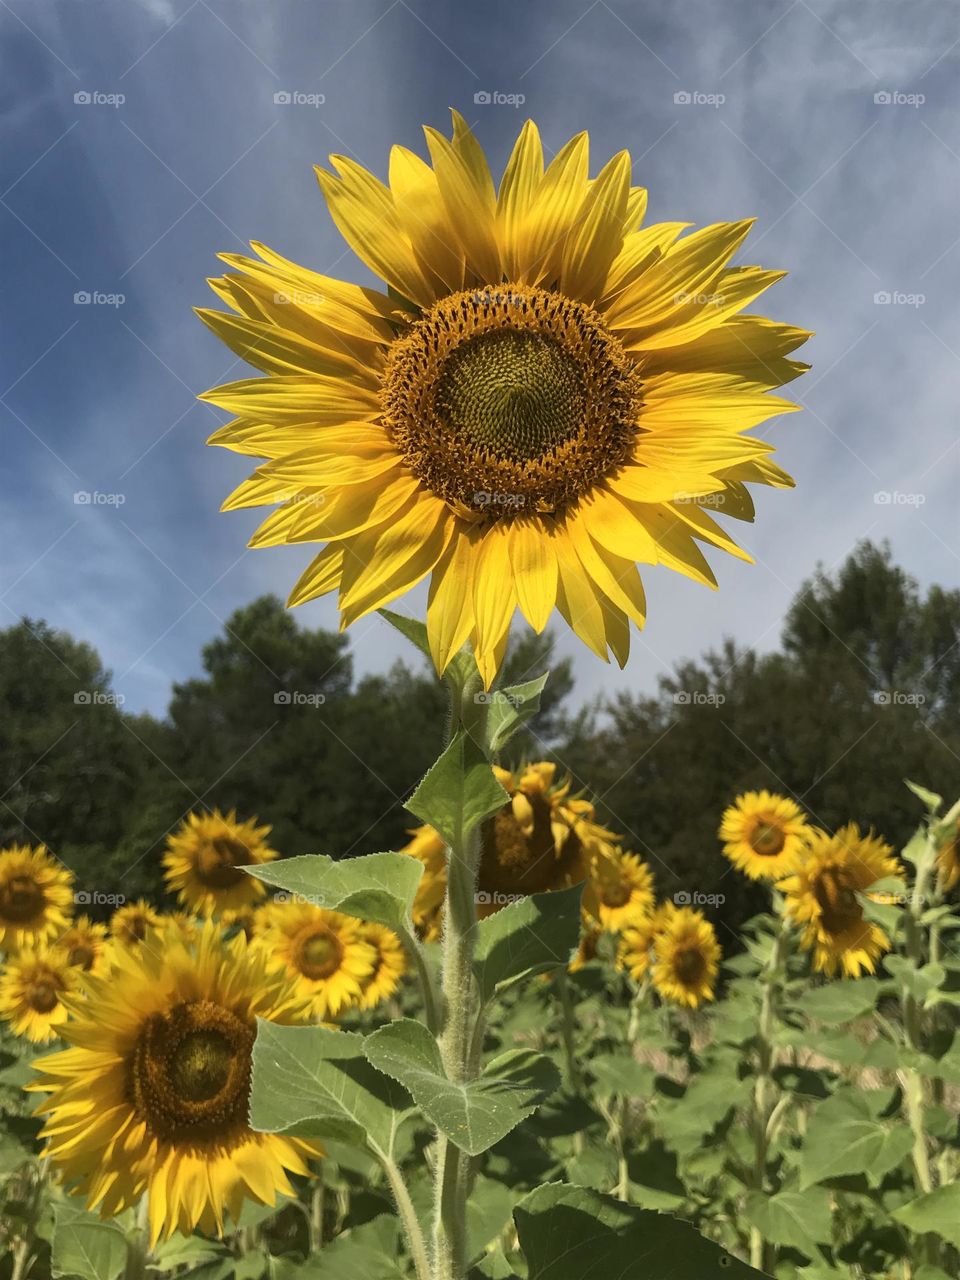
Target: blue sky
833	123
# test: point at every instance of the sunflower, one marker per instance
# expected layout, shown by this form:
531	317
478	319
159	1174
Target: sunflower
205	858
428	847
36	896
323	951
822	896
83	943
948	862
635	947
764	834
153	1094
32	987
544	838
590	935
131	923
389	966
545	393
686	958
619	888
244	919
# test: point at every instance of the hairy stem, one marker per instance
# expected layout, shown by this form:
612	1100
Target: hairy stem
761	1255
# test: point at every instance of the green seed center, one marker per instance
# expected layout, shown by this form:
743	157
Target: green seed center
201	1065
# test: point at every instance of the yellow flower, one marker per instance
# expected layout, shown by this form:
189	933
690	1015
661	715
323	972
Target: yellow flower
634	951
36	896
205	858
619	888
323	951
32	987
764	834
389	966
429	848
181	925
590	935
244	919
547	394
948	862
83	943
686	958
152	1095
822	897
131	923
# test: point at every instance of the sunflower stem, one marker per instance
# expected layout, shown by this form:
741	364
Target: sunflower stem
411	1222
762	1255
572	1067
317	1195
138	1249
460	1006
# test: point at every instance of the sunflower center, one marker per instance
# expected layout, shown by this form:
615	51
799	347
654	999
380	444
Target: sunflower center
134	927
615	892
319	955
189	1072
515	861
690	966
44	995
510	401
840	908
767	840
81	955
219	860
21	898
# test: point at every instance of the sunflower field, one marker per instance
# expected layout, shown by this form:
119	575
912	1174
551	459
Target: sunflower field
495	1053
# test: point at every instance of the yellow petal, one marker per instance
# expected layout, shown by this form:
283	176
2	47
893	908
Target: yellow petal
578	602
639	251
534	564
470	207
316	468
421	210
611	522
521	178
450	602
595	240
731	292
279	351
750	347
322	575
555	207
494	597
616	576
317	400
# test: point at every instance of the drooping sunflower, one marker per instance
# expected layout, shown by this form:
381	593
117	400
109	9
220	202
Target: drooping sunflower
205	858
323	952
619	888
153	1094
83	943
544	838
545	394
686	958
36	896
33	985
764	834
822	896
389	965
131	923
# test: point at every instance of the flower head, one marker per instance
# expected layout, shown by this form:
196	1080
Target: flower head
205	858
323	952
83	942
545	394
131	923
33	985
36	896
686	958
763	834
389	966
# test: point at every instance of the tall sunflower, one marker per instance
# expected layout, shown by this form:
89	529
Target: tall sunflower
686	958
36	896
543	838
545	393
822	896
153	1094
764	834
205	858
323	951
33	985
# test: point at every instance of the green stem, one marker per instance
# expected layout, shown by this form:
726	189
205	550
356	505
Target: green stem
571	1066
21	1259
411	1222
460	1009
317	1195
623	1170
138	1250
763	1256
431	1004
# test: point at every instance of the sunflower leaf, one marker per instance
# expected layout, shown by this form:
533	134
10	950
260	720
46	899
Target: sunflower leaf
474	1115
458	792
314	1082
86	1246
414	630
937	1211
379	887
527	937
840	1002
510	709
569	1231
846	1135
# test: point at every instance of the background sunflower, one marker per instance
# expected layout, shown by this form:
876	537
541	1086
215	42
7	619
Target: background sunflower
36	896
204	862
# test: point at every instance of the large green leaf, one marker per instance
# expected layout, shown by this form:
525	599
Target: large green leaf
316	1082
840	1002
510	709
475	1115
379	887
527	937
798	1219
84	1245
937	1211
572	1233
458	792
846	1135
